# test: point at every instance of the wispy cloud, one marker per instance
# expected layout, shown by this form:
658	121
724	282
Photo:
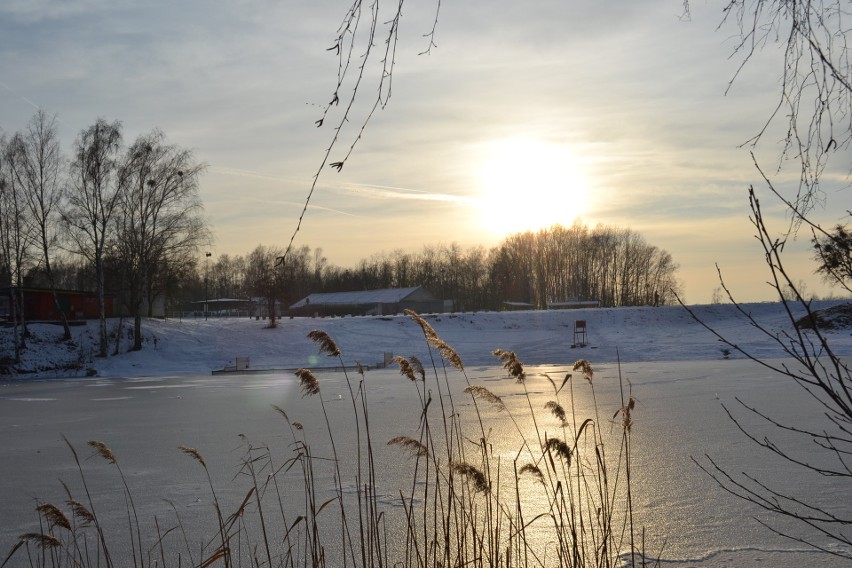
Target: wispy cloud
255	175
19	95
404	193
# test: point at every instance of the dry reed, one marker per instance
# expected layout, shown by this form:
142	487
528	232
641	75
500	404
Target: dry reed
459	511
486	395
416	448
448	353
480	482
325	342
428	330
81	512
43	541
558	447
511	363
556	410
586	368
194	454
54	516
103	450
405	368
533	470
308	382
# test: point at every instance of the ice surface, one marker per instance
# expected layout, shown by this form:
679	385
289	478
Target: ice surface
144	405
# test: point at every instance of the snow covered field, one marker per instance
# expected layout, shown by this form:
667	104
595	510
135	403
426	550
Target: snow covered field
145	404
538	337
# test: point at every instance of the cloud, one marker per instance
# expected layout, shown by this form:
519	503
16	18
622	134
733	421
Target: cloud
401	193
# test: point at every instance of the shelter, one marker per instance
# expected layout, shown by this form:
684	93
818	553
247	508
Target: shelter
38	304
516	306
573	304
226	307
368	302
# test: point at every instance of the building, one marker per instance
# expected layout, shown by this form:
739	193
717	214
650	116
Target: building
224	307
573	304
368	302
38	304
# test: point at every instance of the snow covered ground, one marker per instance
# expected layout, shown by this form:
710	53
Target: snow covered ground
538	337
146	403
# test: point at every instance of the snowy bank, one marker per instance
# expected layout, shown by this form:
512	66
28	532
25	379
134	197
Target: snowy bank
639	334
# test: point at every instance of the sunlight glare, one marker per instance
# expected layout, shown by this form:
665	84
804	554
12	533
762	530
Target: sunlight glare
527	185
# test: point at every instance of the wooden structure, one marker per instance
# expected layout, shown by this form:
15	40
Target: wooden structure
580	335
38	304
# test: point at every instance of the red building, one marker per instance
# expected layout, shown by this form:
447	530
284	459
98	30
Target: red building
39	306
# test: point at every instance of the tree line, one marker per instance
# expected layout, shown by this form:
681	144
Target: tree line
615	266
127	219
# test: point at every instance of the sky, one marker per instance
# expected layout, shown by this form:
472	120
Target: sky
520	116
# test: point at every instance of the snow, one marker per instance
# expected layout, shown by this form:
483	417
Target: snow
640	334
146	403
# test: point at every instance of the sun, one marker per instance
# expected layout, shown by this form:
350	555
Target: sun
528	184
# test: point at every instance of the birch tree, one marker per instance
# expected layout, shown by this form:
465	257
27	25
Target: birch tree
93	200
160	221
16	238
37	169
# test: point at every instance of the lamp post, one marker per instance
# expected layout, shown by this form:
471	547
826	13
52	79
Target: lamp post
206	281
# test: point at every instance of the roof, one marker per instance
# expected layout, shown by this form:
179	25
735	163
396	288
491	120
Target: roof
224	301
361	297
574	304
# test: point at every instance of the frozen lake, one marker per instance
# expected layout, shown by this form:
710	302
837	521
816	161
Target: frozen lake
689	520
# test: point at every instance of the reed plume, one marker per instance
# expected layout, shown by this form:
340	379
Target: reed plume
43	541
556	409
485	394
626	412
533	470
418	367
281	411
54	516
103	450
405	368
81	512
195	454
308	381
480	483
448	353
428	330
325	342
586	368
560	448
511	363
416	448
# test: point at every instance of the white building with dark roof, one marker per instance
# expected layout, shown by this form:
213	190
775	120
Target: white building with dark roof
368	302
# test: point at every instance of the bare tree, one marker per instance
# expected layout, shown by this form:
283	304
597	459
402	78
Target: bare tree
227	277
825	378
16	237
37	169
160	219
265	278
93	200
814	105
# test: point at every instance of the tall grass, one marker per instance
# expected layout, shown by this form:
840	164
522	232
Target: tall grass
554	490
